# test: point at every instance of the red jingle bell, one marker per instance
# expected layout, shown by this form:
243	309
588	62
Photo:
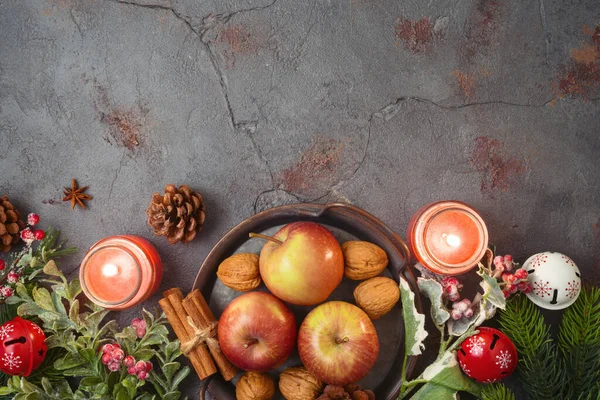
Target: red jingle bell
22	347
488	356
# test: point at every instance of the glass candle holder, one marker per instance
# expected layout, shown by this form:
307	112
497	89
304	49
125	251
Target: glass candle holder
120	271
448	237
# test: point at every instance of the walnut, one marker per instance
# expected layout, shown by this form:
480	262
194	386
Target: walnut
363	260
299	384
240	272
255	386
377	296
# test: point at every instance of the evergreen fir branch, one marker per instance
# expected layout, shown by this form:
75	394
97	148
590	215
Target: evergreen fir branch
541	368
579	342
497	391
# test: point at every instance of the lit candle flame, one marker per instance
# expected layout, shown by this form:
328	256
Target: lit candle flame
451	240
110	270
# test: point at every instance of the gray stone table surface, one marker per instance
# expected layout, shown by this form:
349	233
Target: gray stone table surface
388	105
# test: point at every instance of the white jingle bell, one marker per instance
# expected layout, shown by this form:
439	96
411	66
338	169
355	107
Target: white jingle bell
554	278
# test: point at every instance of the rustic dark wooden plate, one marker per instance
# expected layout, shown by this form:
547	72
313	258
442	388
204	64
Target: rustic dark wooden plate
346	222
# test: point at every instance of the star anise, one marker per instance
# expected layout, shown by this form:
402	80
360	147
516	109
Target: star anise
75	195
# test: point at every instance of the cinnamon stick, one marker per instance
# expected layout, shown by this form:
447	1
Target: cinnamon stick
199	357
198	309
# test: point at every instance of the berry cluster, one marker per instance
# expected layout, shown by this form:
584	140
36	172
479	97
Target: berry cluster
141	368
140	327
460	309
511	282
113	357
451	287
28	235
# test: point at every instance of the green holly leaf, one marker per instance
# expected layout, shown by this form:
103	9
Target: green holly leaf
179	376
169	369
51	269
172	396
432	391
445	372
5	390
434	291
491	290
414	322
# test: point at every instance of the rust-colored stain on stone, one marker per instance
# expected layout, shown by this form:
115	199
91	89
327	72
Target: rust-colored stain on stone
466	83
238	40
582	75
481	25
318	162
500	170
417	36
125	124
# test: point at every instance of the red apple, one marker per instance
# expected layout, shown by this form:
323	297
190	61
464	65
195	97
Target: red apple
257	331
303	265
338	343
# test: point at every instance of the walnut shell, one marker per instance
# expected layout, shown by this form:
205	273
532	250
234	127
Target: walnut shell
255	386
298	384
363	260
240	272
377	296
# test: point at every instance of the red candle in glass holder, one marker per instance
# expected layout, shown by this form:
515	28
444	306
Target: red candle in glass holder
120	271
448	237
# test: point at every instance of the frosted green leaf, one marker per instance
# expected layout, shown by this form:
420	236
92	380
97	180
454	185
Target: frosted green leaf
434	291
414	322
492	291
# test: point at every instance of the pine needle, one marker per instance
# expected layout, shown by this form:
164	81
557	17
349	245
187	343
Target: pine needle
541	368
497	391
579	342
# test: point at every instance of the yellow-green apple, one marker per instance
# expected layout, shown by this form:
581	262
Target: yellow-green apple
257	331
302	263
338	343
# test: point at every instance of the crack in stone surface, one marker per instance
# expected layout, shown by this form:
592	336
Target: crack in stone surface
388	112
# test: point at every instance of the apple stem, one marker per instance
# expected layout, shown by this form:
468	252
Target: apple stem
343	340
261	236
250	343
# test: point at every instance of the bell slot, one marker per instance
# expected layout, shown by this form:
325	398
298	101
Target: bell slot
531	271
554	297
496	338
15	341
463	352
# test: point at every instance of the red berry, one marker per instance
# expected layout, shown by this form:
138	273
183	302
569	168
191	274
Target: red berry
118	354
33	219
140	366
12	277
509	278
508	258
525	287
505	293
142	375
6	291
498	260
460	306
2	265
468	313
106	358
148	366
114	366
131	371
456	315
467	302
449	281
521	273
454	297
39	234
108	348
27	235
140	332
510	288
129	361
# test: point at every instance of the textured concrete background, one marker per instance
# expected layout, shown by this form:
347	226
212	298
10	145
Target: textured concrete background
386	104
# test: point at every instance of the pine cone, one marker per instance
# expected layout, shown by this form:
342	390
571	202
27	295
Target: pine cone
10	224
178	214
